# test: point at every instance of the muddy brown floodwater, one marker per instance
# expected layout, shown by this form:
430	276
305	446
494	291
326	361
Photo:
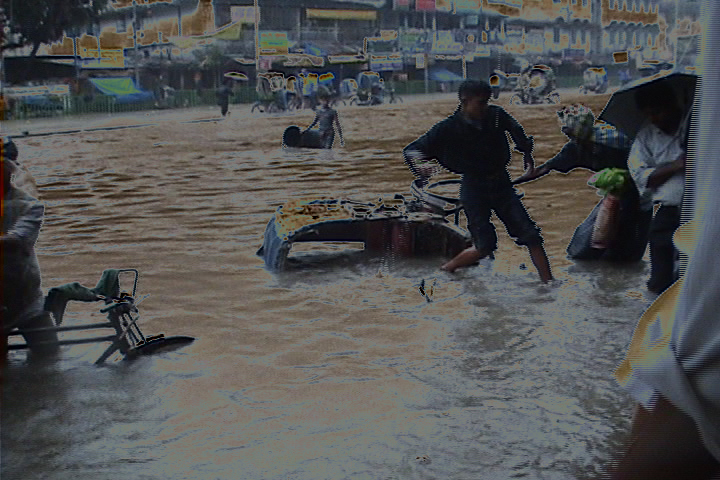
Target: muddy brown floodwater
336	369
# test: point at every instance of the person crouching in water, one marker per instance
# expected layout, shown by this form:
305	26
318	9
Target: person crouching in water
473	142
596	147
22	297
327	120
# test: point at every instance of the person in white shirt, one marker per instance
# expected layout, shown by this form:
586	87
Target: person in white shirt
657	166
21	303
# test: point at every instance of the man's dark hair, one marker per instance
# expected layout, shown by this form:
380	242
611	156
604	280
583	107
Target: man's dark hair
656	94
474	88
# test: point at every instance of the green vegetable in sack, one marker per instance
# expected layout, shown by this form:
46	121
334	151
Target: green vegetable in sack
610	180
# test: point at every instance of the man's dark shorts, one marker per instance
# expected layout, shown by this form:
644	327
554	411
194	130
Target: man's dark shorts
481	196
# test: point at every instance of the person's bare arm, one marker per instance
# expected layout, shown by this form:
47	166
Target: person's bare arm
339	129
25	231
523	142
532	174
663	173
314	122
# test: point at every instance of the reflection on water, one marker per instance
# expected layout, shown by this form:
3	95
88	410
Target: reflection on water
337	368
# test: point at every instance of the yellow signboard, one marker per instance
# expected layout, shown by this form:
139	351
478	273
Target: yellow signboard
273	43
341	14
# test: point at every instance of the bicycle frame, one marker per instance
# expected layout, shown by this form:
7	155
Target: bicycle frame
122	316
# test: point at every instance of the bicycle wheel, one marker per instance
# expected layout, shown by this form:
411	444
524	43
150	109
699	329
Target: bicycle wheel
516	100
256	106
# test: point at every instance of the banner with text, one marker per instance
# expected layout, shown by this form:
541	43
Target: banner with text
341	14
273	43
425	5
509	3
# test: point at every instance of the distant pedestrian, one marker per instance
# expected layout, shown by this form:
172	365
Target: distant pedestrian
223	96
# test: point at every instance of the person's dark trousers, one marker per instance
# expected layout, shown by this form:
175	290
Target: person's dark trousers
662	250
224	108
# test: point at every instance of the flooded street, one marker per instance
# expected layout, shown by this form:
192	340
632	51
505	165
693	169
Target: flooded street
338	368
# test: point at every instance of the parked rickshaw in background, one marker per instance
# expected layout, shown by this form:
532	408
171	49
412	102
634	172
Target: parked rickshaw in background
370	89
348	89
651	67
536	84
595	80
272	95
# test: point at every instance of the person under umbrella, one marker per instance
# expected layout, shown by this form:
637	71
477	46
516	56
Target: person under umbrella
657	166
223	95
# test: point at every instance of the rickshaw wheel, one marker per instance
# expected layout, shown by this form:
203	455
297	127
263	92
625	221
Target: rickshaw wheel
258	106
516	100
553	98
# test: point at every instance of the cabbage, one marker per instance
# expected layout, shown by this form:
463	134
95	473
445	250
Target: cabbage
610	180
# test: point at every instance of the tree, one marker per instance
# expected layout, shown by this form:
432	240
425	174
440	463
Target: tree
34	22
214	58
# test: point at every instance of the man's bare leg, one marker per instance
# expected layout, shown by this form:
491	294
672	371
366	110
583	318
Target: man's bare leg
541	262
467	257
665	444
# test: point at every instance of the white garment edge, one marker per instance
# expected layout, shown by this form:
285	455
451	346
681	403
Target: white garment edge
688	372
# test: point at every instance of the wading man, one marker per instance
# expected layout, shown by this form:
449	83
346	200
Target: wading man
473	142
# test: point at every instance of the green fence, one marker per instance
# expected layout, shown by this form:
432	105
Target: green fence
88	104
75	105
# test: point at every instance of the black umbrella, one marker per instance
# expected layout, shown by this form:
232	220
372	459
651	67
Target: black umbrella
622	112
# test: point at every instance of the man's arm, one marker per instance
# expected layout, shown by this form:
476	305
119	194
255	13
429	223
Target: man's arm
314	122
663	173
646	177
422	150
339	129
523	143
564	161
25	231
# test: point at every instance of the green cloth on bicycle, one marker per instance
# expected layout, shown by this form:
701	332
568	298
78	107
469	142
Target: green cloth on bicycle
108	286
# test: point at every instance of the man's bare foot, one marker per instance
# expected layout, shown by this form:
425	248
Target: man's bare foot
448	268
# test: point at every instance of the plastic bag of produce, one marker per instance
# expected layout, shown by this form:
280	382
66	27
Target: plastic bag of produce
606	223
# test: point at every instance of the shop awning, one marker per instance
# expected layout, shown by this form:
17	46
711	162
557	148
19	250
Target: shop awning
444	75
122	88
